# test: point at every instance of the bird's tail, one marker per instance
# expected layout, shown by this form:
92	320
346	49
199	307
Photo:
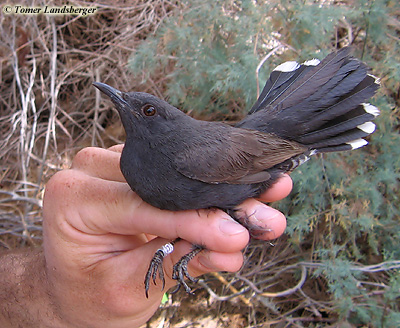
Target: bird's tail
322	105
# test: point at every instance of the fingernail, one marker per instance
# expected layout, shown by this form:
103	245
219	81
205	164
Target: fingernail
230	227
206	262
263	213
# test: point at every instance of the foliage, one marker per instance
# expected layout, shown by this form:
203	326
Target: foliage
345	205
209	54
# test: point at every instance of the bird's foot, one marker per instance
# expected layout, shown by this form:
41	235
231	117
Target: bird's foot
156	266
180	270
255	230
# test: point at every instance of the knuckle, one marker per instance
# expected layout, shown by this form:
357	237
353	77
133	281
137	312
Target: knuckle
116	148
85	157
61	183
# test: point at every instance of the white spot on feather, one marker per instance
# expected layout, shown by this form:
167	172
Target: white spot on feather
312	62
367	127
312	152
357	143
377	79
289	66
370	109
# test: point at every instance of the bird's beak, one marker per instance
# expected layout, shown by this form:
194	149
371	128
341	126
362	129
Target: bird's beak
115	95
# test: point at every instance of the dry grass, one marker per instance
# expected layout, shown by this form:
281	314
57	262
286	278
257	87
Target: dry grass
48	106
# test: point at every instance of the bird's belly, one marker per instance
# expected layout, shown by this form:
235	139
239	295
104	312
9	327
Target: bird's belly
161	185
197	195
174	191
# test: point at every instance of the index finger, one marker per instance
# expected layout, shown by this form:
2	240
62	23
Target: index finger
279	190
100	163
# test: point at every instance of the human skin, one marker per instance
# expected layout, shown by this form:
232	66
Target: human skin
99	238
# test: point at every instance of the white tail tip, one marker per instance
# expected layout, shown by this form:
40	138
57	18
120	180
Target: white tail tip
289	66
370	109
367	127
357	143
312	62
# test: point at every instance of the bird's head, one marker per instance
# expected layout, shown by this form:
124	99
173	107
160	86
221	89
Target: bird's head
143	115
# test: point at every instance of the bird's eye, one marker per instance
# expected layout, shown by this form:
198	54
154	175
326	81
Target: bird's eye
149	110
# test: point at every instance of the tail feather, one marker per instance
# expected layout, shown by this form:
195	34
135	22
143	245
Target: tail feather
355	144
347	78
307	83
321	105
281	78
342	124
343	138
362	92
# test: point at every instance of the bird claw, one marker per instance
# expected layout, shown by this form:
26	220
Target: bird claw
255	230
156	266
180	270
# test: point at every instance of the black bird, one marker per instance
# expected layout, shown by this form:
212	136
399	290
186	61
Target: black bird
175	162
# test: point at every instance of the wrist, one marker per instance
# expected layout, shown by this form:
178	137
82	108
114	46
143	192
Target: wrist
25	293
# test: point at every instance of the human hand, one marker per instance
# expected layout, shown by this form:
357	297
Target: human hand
99	238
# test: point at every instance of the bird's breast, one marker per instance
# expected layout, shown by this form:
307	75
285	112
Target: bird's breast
153	176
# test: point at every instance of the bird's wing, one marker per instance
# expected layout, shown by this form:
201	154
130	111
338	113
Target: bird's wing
235	156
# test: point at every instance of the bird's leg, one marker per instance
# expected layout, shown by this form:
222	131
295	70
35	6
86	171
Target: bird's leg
156	265
180	269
